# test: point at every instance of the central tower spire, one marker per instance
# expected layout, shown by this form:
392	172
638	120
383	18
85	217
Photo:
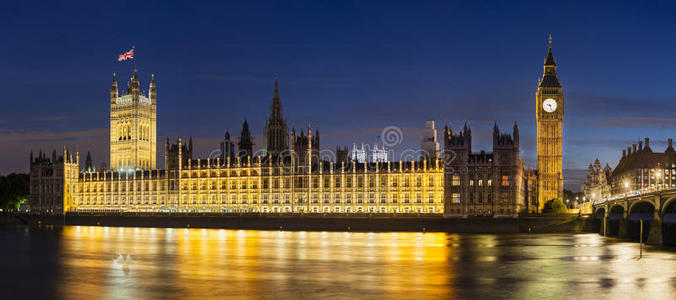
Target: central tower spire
276	134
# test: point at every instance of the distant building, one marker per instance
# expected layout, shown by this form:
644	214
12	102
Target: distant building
642	170
379	154
376	154
596	186
358	154
429	145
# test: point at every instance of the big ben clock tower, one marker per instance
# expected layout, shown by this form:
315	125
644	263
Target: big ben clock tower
549	114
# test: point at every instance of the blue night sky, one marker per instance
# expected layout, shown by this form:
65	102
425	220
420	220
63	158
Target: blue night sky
350	68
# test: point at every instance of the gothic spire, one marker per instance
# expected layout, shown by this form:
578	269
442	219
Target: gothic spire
275	134
276	107
113	90
89	165
549	78
276	95
549	61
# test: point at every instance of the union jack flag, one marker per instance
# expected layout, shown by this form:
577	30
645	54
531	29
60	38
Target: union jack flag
127	55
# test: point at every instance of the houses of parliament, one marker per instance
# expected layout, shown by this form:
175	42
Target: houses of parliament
291	175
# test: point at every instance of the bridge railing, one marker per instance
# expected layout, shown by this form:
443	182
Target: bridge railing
635	193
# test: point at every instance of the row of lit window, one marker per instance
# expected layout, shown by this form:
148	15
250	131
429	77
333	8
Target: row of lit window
284	209
243	172
244	184
254	202
455	181
300	198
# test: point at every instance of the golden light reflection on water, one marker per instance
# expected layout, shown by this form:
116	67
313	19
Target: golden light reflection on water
140	263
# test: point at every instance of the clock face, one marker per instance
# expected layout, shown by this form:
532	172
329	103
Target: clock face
549	105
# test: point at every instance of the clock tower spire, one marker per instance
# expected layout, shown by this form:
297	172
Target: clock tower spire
549	115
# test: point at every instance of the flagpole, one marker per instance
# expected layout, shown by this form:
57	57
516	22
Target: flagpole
134	59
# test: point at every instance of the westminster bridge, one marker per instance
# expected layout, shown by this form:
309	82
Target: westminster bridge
621	217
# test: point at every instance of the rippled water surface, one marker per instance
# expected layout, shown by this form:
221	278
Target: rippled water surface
80	262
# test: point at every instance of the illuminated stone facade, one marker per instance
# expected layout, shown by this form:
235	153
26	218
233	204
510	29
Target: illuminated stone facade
53	181
217	186
297	178
596	187
285	180
133	126
641	170
483	184
549	114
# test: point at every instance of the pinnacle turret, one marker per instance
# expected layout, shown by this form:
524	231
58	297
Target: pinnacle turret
113	90
245	142
152	90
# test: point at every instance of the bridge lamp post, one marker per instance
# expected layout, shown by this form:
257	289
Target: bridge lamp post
657	181
626	187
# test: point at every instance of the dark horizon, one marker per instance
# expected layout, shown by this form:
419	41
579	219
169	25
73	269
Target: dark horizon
349	69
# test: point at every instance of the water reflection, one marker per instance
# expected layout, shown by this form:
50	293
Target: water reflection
141	263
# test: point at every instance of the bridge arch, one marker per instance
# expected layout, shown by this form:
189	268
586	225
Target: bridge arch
615	217
597	221
666	202
601	210
669	223
634	203
640	210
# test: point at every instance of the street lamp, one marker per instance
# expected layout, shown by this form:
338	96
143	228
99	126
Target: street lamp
626	187
657	181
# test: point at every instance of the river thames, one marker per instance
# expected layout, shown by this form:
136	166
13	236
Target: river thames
81	262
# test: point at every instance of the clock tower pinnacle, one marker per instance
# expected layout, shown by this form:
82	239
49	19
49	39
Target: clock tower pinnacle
549	115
